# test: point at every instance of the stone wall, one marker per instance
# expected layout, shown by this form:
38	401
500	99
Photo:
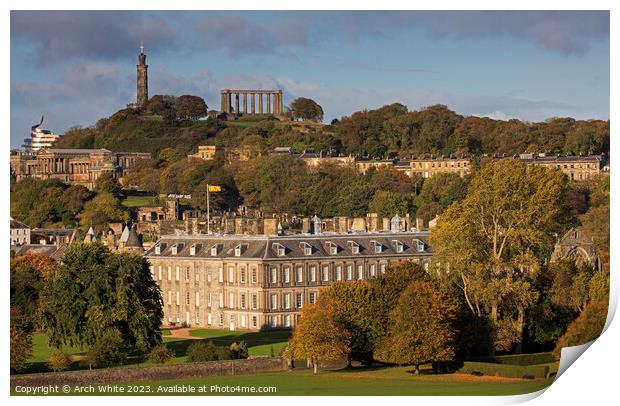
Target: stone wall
150	373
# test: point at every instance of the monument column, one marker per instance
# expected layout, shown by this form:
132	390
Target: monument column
260	103
252	102
268	103
237	103
281	102
245	103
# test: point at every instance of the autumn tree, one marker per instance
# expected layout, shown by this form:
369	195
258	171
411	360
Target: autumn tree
494	240
107	183
317	337
306	109
101	210
585	328
420	328
95	294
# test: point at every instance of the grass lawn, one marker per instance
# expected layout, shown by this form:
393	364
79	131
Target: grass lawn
356	381
259	343
141	201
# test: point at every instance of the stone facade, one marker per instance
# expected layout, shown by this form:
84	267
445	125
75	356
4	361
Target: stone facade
575	167
577	246
231	154
73	166
254	282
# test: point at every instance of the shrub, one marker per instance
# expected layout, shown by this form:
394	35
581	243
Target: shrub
161	354
59	361
109	350
518	359
239	351
202	352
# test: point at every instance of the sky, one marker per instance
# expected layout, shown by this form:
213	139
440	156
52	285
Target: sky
75	67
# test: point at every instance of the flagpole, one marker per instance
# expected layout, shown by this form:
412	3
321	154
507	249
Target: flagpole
208	216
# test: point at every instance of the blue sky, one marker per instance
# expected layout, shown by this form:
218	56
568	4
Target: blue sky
76	67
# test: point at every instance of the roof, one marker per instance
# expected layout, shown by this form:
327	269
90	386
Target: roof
54	251
17	224
77	150
265	247
124	235
133	240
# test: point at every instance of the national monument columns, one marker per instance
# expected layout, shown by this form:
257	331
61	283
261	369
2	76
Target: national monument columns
269	101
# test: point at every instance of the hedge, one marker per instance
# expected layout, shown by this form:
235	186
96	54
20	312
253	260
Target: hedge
519	359
505	370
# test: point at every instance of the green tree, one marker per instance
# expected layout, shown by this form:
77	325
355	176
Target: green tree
101	210
420	328
306	109
493	241
388	204
439	192
107	183
95	292
190	107
169	155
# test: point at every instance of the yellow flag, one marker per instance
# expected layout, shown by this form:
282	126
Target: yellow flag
213	188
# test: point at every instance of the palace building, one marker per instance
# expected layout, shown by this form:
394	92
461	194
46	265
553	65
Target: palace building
263	281
73	166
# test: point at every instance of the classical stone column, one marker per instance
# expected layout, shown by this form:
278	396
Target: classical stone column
252	102
268	103
281	102
237	103
260	103
223	101
245	103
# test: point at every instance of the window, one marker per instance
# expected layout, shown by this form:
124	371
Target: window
307	248
254	321
169	272
338	273
325	274
209	319
254	302
377	247
187	273
221	300
175	249
169	297
299	301
231	274
178	298
373	271
177	272
186	298
209	276
197	298
348	272
419	245
238	251
300	275
273	321
209	299
274	301
254	275
242	321
243	300
197	272
399	246
231	300
280	250
159	270
242	275
192	250
214	250
273	275
221	319
312	297
287	321
313	274
333	248
287	301
382	268
287	274
360	272
355	247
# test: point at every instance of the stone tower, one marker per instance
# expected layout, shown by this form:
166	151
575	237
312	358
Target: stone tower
143	80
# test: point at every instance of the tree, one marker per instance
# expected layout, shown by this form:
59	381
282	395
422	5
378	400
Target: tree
161	354
95	292
317	337
420	328
570	284
350	306
169	155
306	109
388	204
103	209
439	192
494	240
20	348
202	351
190	107
587	327
107	183
59	361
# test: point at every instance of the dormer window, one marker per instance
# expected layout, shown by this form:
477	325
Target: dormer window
158	249
279	249
307	248
214	250
420	246
192	250
240	249
355	247
378	248
399	246
333	248
175	249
